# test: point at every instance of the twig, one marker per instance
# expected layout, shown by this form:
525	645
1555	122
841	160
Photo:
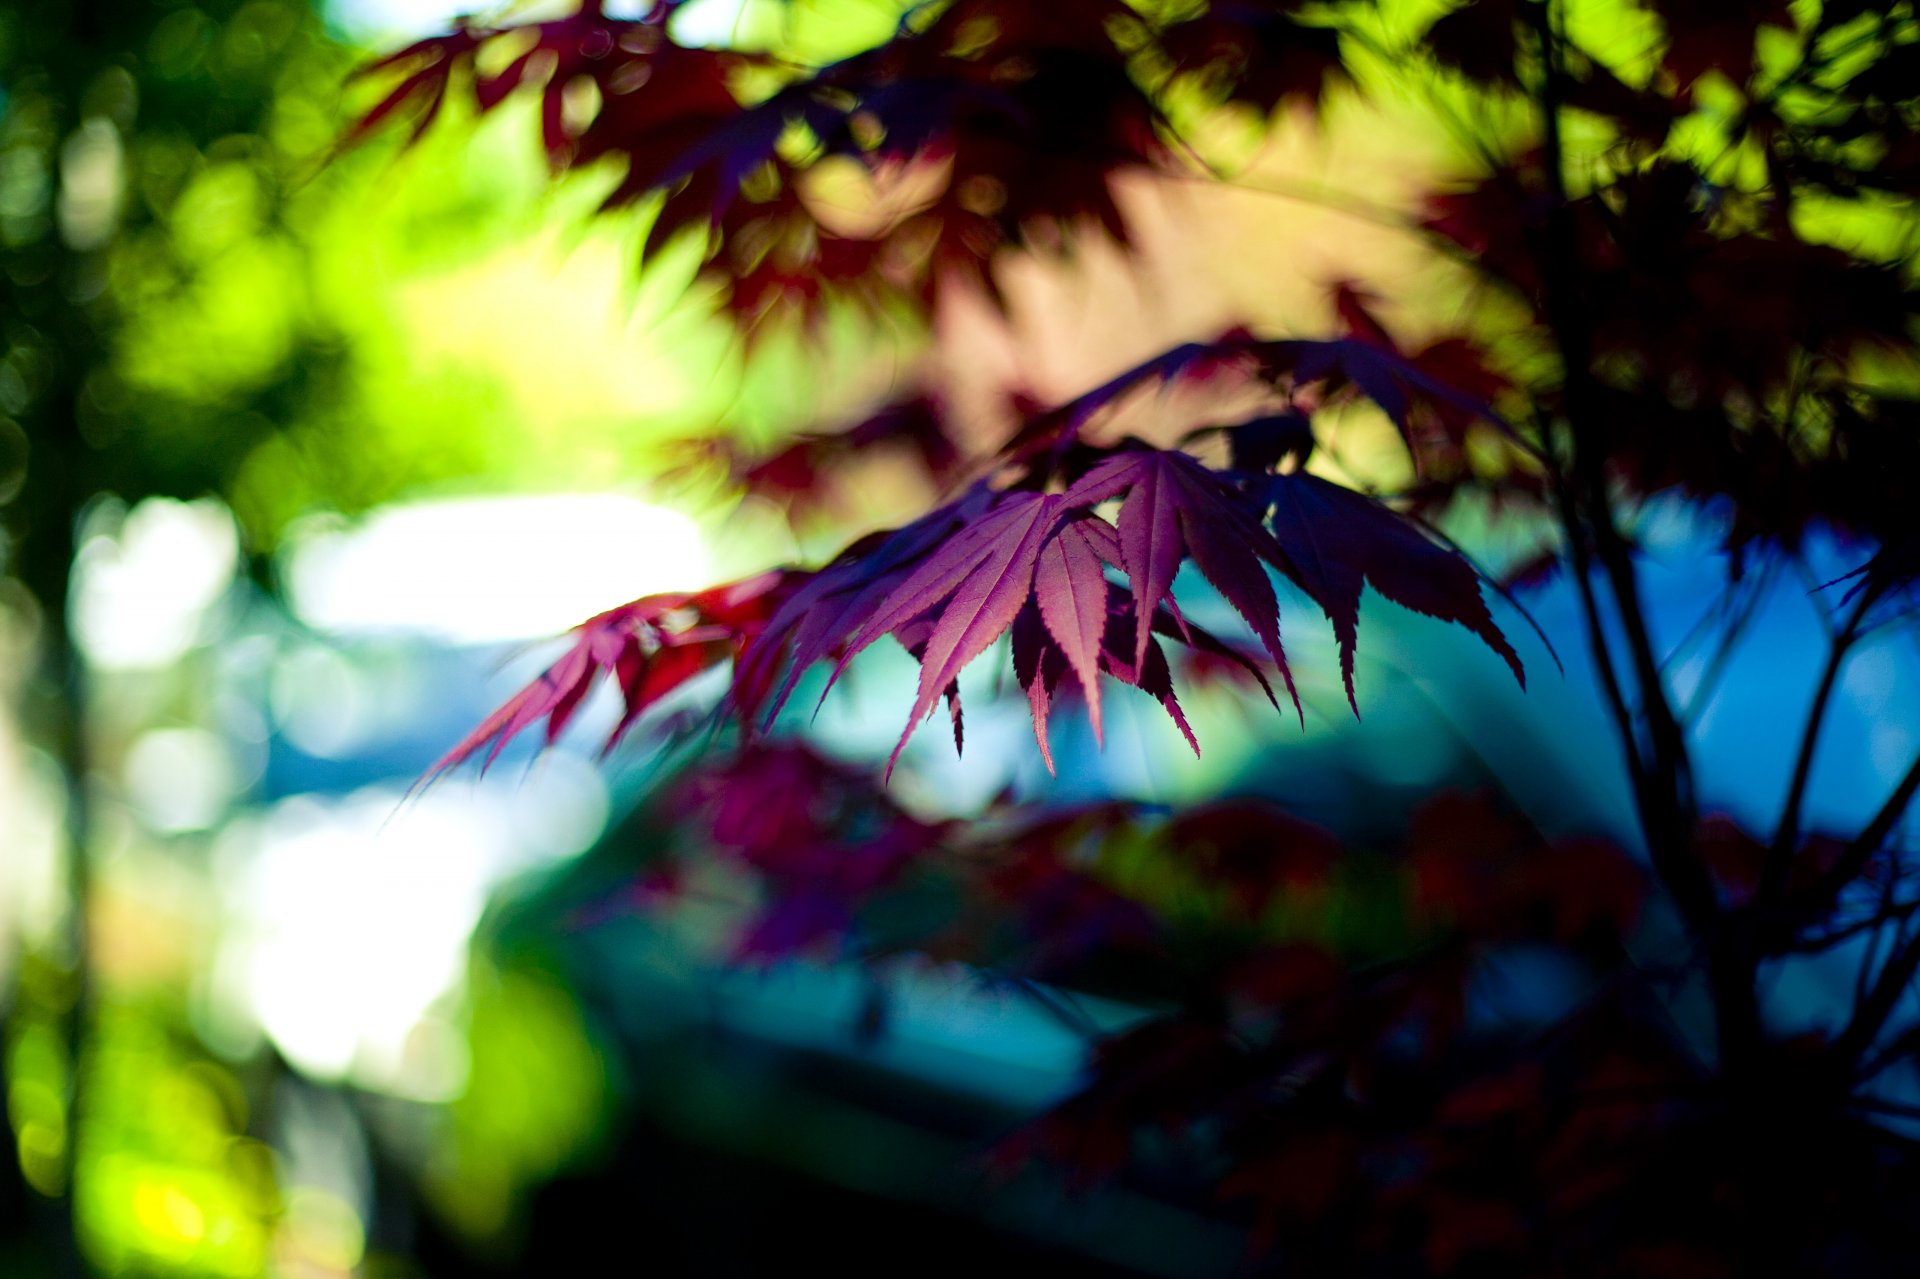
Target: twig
1884	915
1723	652
1870	1017
1773	875
1854	857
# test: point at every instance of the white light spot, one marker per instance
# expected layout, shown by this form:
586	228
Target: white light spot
92	181
179	779
491	569
360	925
709	23
139	597
353	916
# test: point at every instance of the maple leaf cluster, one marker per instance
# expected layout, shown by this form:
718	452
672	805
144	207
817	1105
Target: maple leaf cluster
1737	352
1385	1106
830	858
1398	1104
1026	552
983	125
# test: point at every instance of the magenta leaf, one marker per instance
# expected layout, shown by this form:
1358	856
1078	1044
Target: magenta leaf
1070	586
1176	508
815	621
978	581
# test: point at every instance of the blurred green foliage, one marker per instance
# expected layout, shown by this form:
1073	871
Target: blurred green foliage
534	1104
167	1182
198	297
202	297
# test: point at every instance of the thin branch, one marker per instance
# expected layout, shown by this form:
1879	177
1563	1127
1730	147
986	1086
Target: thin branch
1886	913
1664	787
1902	1047
1489	580
1315	194
1597	639
1062	1008
1870	1017
1722	605
1773	875
1722	658
1854	857
1814	588
1872	956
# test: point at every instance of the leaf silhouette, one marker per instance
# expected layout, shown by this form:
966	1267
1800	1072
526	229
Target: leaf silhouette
1195	361
1479	40
1256	53
427	66
1335	541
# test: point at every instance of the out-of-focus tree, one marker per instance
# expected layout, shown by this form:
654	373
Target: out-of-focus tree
120	123
186	312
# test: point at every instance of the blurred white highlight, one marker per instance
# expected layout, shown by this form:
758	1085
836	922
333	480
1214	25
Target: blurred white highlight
140	594
351	917
479	570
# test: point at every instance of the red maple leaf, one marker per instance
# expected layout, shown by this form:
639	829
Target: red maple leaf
650	646
1174	510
